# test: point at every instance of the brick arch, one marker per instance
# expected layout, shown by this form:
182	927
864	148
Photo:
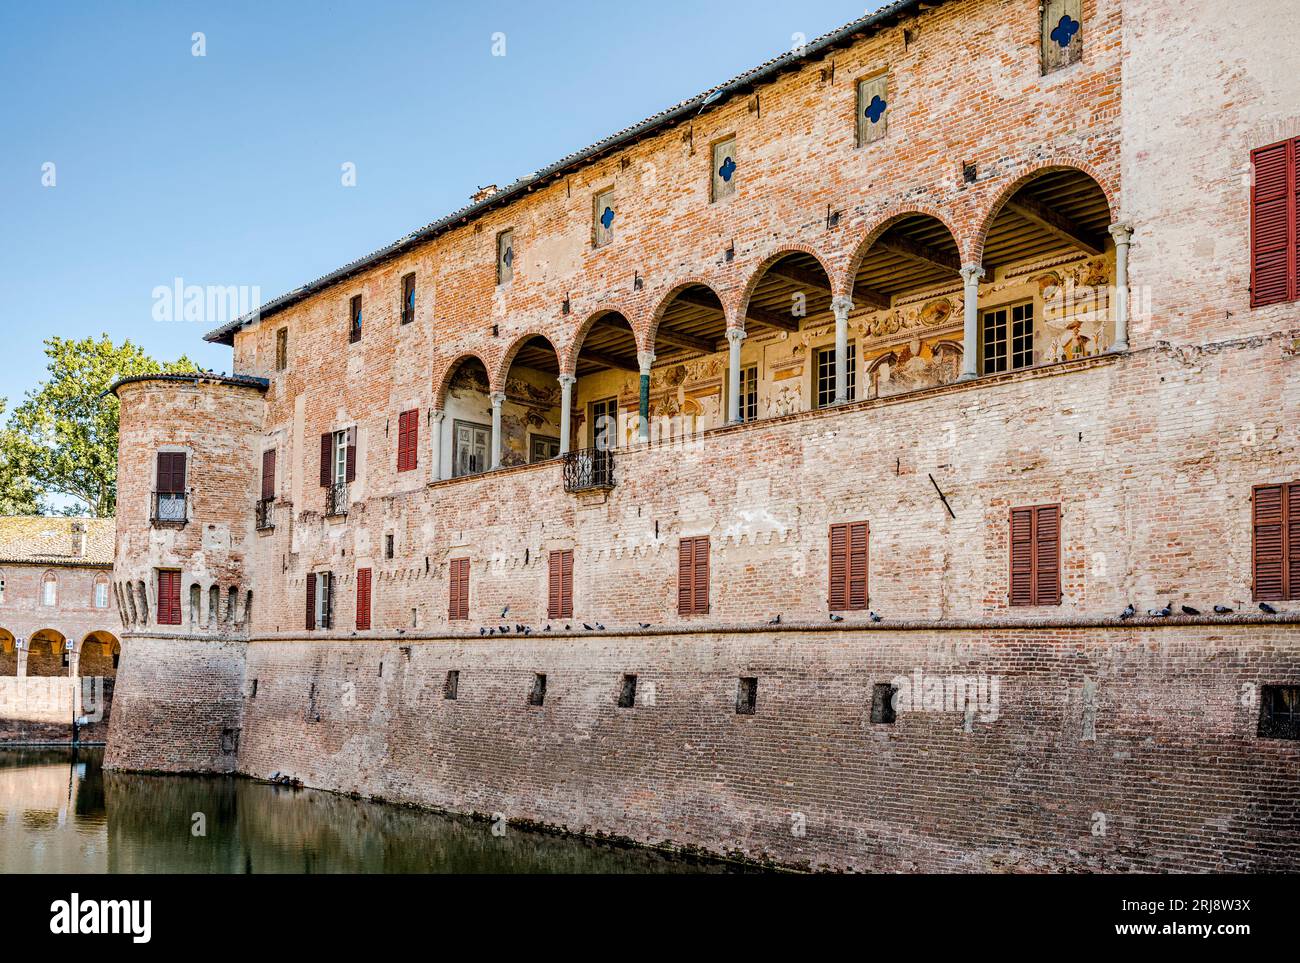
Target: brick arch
443	375
497	378
757	275
884	220
1037	169
569	361
8	653
646	343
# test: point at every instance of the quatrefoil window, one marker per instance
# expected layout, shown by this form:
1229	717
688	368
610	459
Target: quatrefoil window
876	109
607	217
727	169
1064	31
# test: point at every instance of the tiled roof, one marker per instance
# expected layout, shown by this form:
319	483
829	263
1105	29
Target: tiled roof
197	377
47	539
710	99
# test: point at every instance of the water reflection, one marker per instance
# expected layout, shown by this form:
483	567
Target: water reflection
60	812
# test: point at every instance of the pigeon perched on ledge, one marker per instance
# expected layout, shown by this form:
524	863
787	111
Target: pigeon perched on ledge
1222	610
874	617
1188	610
1128	613
836	618
1267	609
775	621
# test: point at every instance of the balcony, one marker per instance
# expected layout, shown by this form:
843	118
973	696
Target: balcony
169	508
265	514
589	469
336	499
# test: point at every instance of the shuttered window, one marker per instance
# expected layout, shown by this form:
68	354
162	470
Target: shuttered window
268	473
408	435
1036	555
320	600
408	298
1276	542
354	319
873	104
363	598
171	473
169	598
848	566
560	591
1274	224
458	589
338	450
693	576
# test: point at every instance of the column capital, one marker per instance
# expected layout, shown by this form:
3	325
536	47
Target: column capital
497	398
1122	233
841	305
437	414
568	380
972	273
735	335
645	359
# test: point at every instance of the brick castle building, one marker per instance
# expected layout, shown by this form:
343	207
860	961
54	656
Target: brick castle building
776	475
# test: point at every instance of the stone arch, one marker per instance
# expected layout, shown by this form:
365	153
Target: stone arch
8	653
883	222
759	273
497	378
646	341
45	653
444	375
569	360
98	653
975	254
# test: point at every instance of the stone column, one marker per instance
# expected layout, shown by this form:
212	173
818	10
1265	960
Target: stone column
734	338
435	456
498	399
645	359
567	382
841	306
970	275
1122	233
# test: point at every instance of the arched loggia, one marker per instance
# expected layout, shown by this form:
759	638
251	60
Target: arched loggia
529	402
463	426
606	368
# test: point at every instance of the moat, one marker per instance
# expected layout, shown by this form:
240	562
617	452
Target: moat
60	812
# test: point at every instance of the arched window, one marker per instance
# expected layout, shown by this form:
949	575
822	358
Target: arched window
2	586
101	591
49	589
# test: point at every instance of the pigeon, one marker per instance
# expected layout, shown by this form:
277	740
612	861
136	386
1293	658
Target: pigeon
519	628
492	631
1128	612
482	630
599	626
1267	609
836	618
1222	610
644	625
1163	613
504	611
775	621
568	628
587	627
874	617
548	627
1188	610
503	629
528	630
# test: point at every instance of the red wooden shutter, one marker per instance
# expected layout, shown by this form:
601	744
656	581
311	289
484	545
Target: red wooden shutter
169	598
693	576
311	600
702	575
352	455
363	598
268	473
1276	550
560	586
1036	555
408	433
326	459
848	566
857	568
838	594
1274	232
171	472
1022	556
458	588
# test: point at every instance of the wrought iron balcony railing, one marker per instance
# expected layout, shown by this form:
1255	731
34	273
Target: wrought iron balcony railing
589	469
265	514
169	508
336	499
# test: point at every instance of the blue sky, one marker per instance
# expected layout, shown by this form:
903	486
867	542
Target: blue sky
225	169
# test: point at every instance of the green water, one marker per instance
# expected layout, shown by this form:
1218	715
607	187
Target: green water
61	813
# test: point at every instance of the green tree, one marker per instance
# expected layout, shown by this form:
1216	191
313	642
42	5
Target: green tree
18	495
62	440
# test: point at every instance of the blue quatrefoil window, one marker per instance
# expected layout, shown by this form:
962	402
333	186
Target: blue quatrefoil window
1064	31
876	109
727	169
607	217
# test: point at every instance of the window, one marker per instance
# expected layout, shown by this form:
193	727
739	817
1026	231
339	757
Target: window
873	105
473	448
2	588
724	169
746	695
560	585
1061	29
169	597
408	436
1274	238
363	599
458	589
170	501
749	393
602	218
1036	555
1279	712
268	474
354	319
543	448
505	256
537	694
338	458
627	692
848	566
101	592
1275	548
451	685
320	600
281	349
693	576
388	545
826	375
408	298
1009	338
49	589
603	417
882	703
